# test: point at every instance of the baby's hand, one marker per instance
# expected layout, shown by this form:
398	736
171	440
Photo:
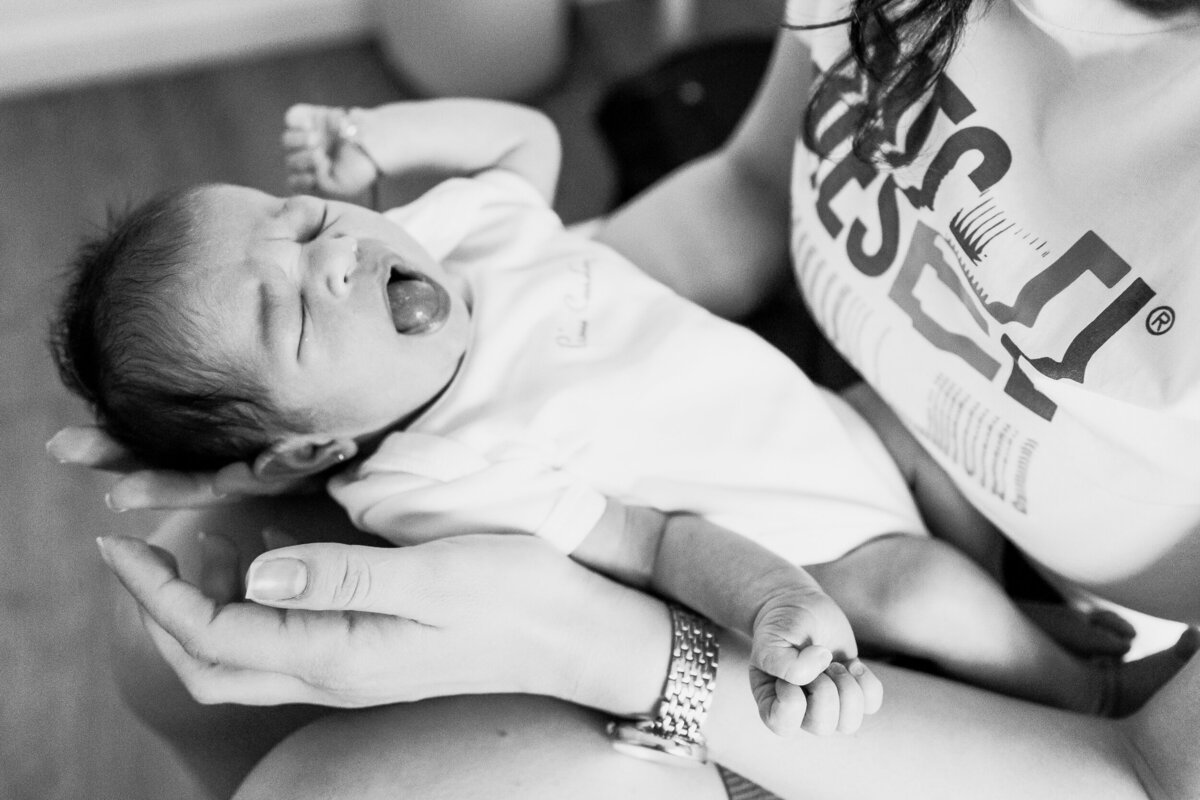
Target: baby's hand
322	155
796	681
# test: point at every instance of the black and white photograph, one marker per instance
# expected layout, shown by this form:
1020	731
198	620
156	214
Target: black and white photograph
545	399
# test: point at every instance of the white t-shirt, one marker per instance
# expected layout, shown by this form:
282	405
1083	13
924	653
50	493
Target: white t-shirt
585	379
1018	294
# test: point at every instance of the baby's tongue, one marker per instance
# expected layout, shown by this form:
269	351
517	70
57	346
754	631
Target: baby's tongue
414	304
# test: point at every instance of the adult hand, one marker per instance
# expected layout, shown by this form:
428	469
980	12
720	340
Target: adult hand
353	626
142	487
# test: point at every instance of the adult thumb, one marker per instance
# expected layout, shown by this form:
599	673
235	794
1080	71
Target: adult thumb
325	577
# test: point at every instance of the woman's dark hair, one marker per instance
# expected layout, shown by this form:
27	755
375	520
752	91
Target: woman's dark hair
898	50
121	346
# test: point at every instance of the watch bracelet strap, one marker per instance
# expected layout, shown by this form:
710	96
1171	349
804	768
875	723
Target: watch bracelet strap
691	678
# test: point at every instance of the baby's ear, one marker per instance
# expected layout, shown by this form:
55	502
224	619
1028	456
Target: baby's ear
301	456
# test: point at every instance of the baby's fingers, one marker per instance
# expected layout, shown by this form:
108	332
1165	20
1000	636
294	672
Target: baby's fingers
782	659
868	681
302	139
851	702
824	705
220	569
307	162
306	117
781	706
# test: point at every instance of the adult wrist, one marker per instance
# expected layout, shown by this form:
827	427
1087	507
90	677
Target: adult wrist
618	652
673	733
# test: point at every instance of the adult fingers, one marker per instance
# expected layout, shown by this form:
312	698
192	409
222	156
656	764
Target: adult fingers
239	478
168	489
164	489
89	446
210	683
237	635
851	706
220	568
338	577
273	538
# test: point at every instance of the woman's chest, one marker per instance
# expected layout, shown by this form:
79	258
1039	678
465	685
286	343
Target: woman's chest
1024	295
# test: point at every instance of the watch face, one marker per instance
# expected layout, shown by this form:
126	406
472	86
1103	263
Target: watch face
632	740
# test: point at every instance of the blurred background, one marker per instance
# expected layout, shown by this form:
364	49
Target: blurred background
104	102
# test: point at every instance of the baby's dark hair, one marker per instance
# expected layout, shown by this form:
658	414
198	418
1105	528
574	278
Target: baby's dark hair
121	346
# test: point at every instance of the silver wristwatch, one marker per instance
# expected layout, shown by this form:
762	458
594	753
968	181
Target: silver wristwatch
673	734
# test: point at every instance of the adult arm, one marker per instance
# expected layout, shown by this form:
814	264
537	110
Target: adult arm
548	626
716	230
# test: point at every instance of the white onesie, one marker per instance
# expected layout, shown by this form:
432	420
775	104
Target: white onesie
585	379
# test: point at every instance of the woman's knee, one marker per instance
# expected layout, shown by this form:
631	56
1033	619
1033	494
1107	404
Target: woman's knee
902	584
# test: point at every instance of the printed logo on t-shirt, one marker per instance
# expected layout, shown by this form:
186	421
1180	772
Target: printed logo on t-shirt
975	280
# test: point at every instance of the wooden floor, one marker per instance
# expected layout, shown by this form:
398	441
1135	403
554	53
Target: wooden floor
64	159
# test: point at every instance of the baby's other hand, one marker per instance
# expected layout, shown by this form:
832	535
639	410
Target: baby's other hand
796	681
320	155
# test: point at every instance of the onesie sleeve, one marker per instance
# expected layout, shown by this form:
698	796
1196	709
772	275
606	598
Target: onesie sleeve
418	487
493	206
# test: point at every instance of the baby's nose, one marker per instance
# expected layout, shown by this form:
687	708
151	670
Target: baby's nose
333	265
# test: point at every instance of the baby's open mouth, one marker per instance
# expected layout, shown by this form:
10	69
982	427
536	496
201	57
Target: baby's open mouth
417	303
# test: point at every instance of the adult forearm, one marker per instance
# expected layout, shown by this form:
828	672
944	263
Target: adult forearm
708	231
716	230
932	739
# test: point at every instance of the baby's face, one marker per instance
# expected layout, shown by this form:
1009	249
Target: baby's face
342	314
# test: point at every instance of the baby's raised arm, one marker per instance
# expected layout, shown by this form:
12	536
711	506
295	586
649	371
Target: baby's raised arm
805	673
340	152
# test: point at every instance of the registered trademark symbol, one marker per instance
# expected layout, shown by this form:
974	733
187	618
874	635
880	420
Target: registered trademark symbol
1160	320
